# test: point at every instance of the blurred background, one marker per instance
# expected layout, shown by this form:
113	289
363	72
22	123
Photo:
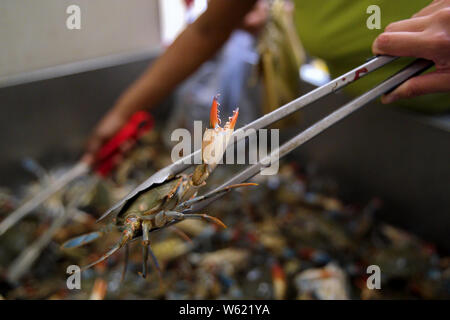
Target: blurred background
56	83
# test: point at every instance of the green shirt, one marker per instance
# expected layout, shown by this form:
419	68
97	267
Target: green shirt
336	31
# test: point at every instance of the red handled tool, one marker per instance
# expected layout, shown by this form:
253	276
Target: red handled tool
112	152
107	158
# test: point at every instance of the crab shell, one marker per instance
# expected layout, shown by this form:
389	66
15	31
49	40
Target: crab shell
215	139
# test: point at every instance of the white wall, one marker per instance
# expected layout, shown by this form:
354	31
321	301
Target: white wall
33	33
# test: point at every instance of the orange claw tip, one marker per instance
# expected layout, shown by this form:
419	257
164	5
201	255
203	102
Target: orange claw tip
214	119
248	184
245	184
220	223
233	119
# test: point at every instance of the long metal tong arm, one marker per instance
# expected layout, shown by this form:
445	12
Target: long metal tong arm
263	122
415	68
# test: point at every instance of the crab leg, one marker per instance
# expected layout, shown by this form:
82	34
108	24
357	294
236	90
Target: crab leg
155	261
180	216
105	256
126	236
146	249
125	263
144	260
188	203
146	226
181	233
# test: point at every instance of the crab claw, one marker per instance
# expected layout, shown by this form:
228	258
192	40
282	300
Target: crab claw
214	119
216	138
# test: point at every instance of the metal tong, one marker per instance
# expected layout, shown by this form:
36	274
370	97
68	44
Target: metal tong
415	68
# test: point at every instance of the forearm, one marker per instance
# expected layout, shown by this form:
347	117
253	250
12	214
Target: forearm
185	55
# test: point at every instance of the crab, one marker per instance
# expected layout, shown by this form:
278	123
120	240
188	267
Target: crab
163	204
